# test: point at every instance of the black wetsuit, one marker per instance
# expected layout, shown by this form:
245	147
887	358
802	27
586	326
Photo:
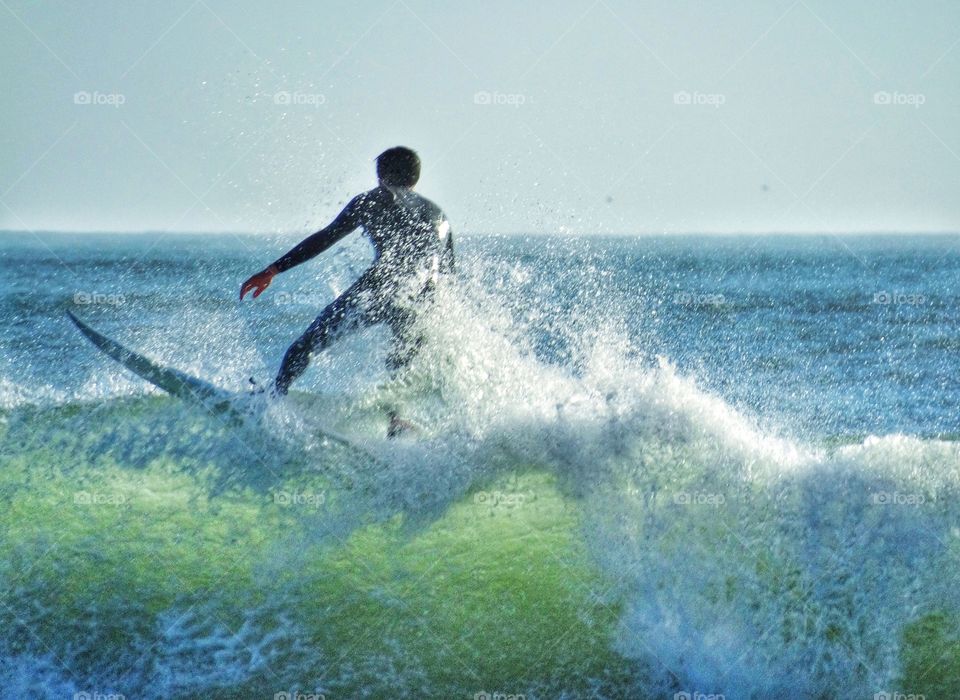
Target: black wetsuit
413	244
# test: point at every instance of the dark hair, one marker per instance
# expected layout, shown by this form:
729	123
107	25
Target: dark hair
398	166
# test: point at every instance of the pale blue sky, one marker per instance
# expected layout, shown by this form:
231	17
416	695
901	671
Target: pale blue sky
529	117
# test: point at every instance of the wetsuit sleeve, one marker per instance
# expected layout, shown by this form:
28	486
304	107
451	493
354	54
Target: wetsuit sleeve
346	221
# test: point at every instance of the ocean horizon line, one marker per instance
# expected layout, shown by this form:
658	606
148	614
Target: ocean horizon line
570	234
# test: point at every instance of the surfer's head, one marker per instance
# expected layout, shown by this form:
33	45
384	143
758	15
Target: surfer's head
398	167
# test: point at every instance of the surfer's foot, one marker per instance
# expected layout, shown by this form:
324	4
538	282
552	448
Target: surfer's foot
279	390
398	426
274	392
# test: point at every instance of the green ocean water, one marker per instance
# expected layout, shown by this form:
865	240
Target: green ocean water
142	574
157	589
586	513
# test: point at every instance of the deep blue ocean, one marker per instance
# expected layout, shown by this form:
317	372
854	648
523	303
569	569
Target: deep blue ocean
649	466
815	336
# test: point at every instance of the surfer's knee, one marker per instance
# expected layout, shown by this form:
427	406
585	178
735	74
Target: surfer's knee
297	354
402	353
316	337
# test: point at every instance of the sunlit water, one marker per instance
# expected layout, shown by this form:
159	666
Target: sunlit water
647	467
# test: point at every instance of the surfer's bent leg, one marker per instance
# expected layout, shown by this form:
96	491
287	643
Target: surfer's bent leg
401	319
340	316
404	347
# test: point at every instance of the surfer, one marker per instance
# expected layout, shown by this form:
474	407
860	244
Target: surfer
413	246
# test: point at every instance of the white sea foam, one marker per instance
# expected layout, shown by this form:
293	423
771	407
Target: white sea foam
747	564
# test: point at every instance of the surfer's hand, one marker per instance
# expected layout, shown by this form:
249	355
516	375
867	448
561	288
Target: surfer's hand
258	282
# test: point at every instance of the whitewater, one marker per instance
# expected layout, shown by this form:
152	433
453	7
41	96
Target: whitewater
648	468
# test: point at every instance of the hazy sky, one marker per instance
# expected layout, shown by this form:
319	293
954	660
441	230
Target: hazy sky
594	116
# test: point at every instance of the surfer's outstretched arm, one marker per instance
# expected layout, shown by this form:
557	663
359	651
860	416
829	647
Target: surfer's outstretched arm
346	221
310	247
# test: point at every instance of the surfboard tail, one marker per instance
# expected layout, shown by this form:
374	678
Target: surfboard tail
172	381
219	402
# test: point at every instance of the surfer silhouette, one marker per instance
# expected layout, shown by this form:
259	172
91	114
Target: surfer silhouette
413	246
